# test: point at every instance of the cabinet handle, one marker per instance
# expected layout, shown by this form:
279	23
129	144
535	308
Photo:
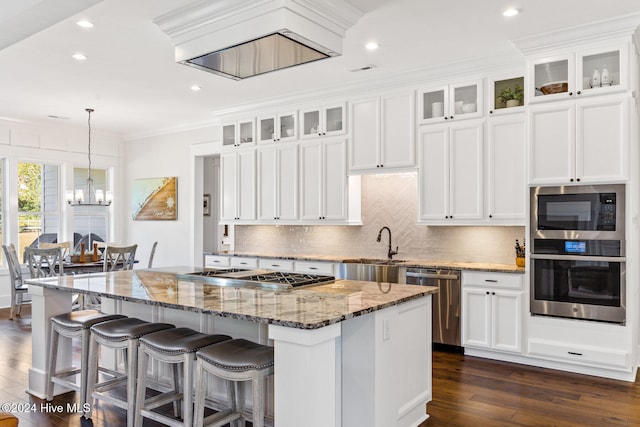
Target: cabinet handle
243	263
275	265
570	93
491	280
571	180
493	293
490	216
450	216
377	166
313	268
446	217
487	292
578	179
451	117
446	118
381	166
574	353
490	111
578	92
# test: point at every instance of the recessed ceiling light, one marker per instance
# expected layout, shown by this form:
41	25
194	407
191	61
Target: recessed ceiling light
195	88
85	24
372	46
79	56
510	12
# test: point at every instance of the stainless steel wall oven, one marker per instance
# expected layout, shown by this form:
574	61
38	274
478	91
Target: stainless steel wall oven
578	264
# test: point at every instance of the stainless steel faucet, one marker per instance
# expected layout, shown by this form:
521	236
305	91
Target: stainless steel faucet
391	252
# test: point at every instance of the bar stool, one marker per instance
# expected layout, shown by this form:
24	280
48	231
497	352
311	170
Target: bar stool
70	325
120	334
235	360
173	346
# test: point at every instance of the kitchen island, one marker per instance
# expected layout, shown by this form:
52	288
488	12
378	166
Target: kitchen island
348	353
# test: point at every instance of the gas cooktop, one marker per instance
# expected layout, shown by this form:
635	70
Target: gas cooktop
264	278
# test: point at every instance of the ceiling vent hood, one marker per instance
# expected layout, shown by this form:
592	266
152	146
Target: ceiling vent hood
244	39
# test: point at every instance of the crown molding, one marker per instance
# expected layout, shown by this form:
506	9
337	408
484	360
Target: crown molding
186	127
624	26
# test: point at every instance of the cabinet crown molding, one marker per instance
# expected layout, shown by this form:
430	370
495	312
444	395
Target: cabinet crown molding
624	26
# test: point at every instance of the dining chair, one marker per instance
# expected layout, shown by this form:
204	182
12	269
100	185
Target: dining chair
65	246
153	252
44	262
18	288
119	257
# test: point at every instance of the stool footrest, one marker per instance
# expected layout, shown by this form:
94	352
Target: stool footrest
110	384
221	418
111	399
162	419
161	399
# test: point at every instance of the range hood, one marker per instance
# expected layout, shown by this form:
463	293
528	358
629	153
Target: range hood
244	39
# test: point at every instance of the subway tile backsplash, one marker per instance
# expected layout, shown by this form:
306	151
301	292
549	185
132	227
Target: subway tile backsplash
387	200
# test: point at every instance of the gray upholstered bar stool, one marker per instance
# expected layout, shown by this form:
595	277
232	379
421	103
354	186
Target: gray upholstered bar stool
72	325
235	361
120	334
173	346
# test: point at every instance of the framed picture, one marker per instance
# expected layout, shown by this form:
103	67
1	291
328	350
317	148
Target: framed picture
155	199
206	205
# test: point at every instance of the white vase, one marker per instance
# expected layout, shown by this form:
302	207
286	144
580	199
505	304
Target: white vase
513	103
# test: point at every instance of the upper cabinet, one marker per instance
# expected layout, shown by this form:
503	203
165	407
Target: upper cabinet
324	121
281	127
450	102
576	74
506	95
383	133
239	133
238	186
277	182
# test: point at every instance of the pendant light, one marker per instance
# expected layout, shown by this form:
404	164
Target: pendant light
89	196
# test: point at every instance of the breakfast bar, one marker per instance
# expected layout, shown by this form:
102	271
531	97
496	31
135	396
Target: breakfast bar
347	353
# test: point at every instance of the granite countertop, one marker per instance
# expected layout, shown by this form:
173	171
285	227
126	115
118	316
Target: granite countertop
476	266
306	308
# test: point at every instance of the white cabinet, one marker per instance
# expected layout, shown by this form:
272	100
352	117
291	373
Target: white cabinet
239	133
323	180
506	166
596	71
451	173
383	133
585	141
238	186
243	262
215	261
506	94
278	182
274	264
315	267
492	311
281	127
450	102
328	120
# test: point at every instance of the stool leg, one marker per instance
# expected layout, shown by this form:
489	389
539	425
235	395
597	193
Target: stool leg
84	363
198	405
176	388
53	355
239	402
231	396
92	375
258	400
187	389
132	360
143	359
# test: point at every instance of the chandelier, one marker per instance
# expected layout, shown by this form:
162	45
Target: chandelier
89	196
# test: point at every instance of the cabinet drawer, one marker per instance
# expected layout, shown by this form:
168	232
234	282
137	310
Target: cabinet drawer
275	264
214	261
498	280
314	267
241	262
579	354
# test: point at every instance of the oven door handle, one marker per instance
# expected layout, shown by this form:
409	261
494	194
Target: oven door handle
579	258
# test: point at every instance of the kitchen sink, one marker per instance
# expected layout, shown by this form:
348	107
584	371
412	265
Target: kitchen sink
371	270
374	261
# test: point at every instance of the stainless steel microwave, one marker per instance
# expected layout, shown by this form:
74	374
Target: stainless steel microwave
578	212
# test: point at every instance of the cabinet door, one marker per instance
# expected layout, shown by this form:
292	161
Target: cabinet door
465	100
476	323
433	187
267	129
287	127
602	140
247	184
506	168
267	182
434	104
229	135
365	142
335	180
334	120
310	180
398	129
551	78
552	144
228	186
506	321
609	67
466	157
287	182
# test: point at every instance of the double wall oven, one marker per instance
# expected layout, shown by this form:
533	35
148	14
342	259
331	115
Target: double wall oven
578	252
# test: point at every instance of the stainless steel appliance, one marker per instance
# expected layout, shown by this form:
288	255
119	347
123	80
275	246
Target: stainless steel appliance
446	303
578	267
262	278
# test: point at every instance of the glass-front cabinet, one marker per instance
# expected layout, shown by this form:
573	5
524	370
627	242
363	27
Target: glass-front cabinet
323	121
238	133
451	102
278	128
506	94
583	73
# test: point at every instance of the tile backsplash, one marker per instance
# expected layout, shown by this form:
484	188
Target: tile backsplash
387	200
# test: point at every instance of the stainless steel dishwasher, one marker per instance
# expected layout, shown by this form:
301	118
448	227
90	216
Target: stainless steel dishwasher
446	303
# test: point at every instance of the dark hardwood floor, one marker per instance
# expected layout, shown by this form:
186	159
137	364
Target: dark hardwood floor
467	391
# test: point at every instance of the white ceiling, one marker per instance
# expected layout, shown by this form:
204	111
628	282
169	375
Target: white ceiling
131	80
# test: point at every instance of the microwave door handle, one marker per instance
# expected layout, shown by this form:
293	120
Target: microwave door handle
579	258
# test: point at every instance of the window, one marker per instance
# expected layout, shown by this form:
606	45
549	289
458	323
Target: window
90	223
38	203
